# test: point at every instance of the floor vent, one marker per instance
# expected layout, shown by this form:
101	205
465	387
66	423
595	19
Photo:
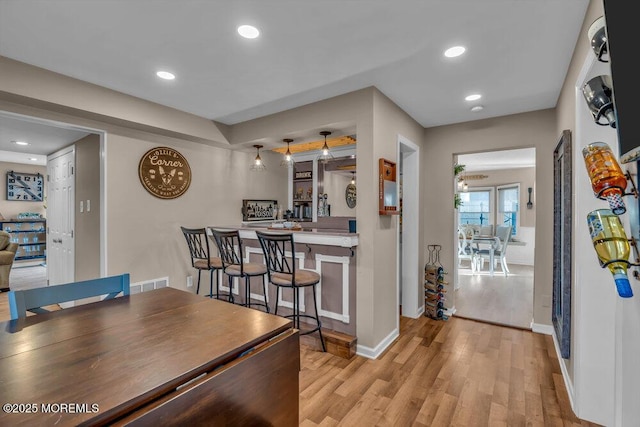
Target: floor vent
148	285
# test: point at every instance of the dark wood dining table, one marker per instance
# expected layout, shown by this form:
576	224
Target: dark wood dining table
164	357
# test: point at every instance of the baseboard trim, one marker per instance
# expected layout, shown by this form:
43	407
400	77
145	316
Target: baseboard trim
565	374
542	329
373	353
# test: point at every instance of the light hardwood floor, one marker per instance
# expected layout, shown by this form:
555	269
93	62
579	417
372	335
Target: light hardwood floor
498	299
25	277
457	372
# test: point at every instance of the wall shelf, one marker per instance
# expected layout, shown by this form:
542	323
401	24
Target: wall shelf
30	235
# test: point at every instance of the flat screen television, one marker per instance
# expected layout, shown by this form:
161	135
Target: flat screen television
621	26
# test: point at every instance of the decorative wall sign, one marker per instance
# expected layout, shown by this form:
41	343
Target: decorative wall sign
28	187
164	173
257	210
350	195
303	175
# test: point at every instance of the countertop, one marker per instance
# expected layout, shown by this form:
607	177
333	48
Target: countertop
320	236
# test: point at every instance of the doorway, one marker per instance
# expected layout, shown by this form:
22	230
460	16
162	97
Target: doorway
497	193
409	283
43	138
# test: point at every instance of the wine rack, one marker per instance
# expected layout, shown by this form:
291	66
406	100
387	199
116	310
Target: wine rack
434	283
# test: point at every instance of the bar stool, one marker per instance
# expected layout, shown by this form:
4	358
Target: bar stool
279	254
230	248
202	260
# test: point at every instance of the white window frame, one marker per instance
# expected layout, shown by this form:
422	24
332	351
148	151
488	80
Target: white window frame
491	215
498	211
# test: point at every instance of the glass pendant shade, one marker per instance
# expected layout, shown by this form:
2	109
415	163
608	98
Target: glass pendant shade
258	165
326	153
598	94
287	160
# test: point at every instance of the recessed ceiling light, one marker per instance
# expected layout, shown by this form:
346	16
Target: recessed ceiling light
166	75
248	31
20	143
454	51
477	108
473	97
33	159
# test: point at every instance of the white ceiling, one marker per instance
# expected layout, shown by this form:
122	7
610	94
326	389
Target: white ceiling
42	138
518	51
495	160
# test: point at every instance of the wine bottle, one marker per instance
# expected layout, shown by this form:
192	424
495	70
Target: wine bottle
612	246
607	178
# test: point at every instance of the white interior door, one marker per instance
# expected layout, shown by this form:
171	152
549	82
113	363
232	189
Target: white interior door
60	216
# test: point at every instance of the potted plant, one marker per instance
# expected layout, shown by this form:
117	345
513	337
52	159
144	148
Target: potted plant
457	201
457	170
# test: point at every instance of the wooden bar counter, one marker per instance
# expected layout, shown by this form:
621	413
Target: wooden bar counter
329	252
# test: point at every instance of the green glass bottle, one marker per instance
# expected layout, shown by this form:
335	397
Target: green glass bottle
612	246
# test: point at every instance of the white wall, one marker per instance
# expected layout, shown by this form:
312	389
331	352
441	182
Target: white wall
534	129
335	185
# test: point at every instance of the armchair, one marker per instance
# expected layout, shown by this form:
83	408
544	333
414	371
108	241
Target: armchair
7	255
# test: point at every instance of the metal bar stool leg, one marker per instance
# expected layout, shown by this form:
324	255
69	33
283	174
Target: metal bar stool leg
198	288
211	273
247	291
277	299
264	292
296	307
315	305
230	297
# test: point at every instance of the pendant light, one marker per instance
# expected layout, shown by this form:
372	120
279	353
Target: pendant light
287	161
353	178
258	165
326	153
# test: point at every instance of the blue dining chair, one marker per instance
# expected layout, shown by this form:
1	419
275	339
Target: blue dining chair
35	299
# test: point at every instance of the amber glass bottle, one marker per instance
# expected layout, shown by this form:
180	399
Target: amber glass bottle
607	179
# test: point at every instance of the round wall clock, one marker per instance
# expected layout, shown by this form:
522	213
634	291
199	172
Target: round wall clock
164	173
350	195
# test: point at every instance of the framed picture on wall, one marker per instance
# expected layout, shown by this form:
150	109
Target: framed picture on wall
562	196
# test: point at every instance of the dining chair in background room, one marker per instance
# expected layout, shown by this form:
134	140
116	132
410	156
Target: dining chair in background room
35	299
201	259
503	235
465	250
486	230
230	248
279	254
